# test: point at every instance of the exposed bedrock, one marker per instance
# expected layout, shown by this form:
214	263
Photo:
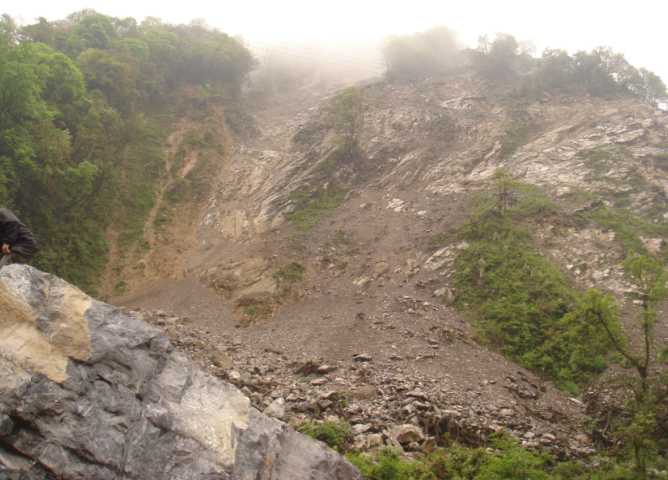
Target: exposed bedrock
89	392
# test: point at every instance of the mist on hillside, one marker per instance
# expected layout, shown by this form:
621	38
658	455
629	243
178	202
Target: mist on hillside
294	63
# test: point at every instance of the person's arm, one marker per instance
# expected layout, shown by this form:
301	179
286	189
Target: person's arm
11	232
9	226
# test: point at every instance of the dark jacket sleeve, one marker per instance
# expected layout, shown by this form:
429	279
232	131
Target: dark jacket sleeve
11	232
10	226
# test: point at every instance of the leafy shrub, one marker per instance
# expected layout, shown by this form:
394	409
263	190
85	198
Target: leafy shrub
330	433
600	72
511	462
385	464
495	59
527	308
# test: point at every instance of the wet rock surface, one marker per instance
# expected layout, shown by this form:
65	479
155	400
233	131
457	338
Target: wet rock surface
104	395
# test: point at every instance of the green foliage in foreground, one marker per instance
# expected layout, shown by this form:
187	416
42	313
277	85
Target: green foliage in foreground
508	462
528	309
645	431
311	203
330	433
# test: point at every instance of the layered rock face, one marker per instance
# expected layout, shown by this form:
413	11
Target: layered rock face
89	392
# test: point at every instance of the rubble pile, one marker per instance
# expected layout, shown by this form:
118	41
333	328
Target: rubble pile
385	403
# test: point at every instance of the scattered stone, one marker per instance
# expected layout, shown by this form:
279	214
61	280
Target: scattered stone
374	440
6	425
365	392
381	268
276	409
222	360
362	357
407	434
429	446
397	205
359	429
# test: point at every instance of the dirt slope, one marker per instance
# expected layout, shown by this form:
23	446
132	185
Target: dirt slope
369	270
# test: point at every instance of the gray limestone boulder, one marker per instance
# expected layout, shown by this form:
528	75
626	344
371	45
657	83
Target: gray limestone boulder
87	392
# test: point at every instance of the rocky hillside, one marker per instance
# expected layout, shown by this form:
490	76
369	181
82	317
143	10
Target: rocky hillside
311	279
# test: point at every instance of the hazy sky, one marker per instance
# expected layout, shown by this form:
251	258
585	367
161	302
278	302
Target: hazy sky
636	28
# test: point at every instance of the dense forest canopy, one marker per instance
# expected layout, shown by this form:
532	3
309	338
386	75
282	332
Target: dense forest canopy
73	94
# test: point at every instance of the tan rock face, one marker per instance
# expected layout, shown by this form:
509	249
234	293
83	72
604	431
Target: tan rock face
45	335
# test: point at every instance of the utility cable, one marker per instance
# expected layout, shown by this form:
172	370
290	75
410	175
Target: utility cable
317	54
330	63
322	51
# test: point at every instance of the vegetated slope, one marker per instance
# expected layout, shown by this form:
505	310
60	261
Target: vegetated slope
368	254
88	103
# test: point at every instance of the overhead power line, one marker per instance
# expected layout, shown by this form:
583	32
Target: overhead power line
377	72
317	54
371	63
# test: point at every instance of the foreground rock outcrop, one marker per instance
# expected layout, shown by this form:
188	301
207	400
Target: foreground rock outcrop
89	392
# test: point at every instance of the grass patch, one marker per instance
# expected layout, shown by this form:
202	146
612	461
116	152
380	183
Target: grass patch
311	203
628	228
290	273
252	311
340	238
333	434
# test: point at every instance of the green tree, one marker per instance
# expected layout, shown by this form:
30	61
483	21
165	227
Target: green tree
504	186
555	70
69	90
42	32
495	59
650	87
347	110
93	31
649	280
113	73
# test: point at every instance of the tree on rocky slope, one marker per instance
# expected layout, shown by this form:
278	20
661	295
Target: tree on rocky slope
346	113
600	72
496	59
648	393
